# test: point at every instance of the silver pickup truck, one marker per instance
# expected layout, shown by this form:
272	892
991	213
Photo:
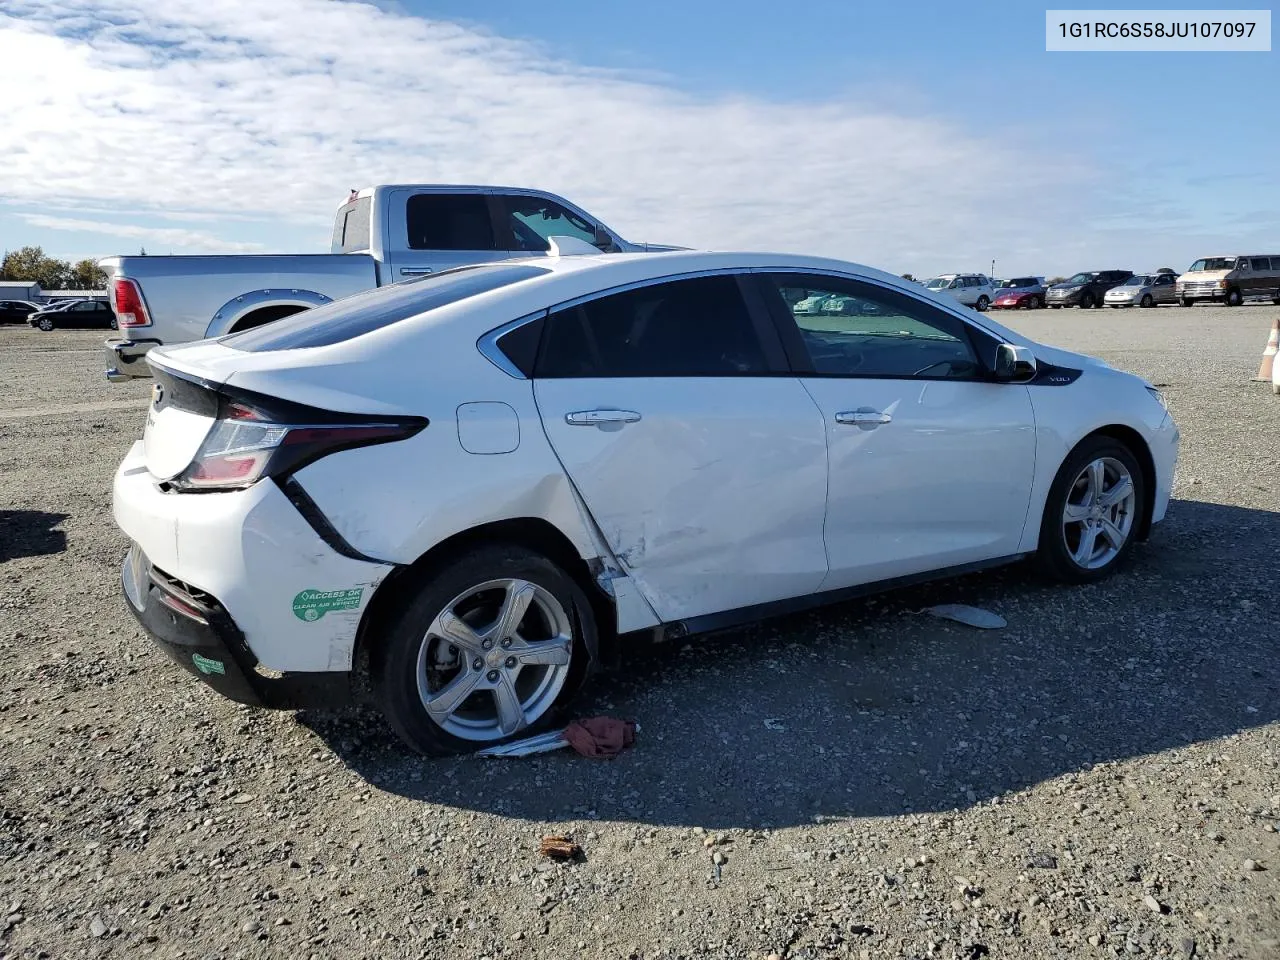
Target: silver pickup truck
381	235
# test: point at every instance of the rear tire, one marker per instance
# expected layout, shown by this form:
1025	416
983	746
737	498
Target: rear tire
1087	302
1036	303
1089	527
489	684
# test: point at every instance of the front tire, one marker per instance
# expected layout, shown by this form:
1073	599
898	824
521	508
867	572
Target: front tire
490	646
1234	299
45	324
1184	302
1092	514
1087	302
1147	301
983	302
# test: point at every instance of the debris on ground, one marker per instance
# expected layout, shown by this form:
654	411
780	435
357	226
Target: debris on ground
601	737
559	848
969	616
598	737
771	723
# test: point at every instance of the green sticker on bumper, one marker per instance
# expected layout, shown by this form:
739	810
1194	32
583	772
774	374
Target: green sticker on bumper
207	666
311	605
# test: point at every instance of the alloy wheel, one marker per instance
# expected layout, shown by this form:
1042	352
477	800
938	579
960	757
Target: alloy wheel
1098	517
494	659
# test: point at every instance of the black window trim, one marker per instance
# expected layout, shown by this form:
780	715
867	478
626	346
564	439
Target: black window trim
777	361
489	349
492	207
788	330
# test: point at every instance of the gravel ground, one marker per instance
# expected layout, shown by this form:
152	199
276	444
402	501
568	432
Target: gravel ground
1101	778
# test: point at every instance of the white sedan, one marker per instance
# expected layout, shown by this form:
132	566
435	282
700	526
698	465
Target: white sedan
456	495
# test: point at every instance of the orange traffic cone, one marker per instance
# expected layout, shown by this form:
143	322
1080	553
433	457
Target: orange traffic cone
1269	354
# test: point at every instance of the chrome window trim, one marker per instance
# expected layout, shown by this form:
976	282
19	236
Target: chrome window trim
489	349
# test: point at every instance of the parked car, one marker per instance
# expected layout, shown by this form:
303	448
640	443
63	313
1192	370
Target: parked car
586	423
1085	289
16	311
1230	280
971	289
85	313
1020	292
381	235
1143	290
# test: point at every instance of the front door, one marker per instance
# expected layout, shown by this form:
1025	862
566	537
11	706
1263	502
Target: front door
701	459
930	464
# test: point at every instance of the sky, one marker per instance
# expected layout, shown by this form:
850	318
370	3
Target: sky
913	136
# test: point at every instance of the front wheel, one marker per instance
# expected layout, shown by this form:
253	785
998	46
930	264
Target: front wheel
45	324
1147	300
491	646
983	302
1184	302
1092	512
1087	302
1036	303
1234	299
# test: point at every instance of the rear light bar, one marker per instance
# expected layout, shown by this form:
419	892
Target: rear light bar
127	299
257	438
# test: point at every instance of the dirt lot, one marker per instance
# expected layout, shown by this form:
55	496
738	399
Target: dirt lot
1101	778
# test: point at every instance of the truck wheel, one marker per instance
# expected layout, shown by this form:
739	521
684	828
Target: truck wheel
490	646
1234	299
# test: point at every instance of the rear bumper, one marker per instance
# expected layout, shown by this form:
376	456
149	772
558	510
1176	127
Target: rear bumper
281	600
198	634
126	359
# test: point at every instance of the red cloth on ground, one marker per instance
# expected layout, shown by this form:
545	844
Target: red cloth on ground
600	737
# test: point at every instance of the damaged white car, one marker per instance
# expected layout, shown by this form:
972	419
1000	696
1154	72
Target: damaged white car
455	495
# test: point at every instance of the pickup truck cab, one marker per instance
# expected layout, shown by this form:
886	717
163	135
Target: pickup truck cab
381	235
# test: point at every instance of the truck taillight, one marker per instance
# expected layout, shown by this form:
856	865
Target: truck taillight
130	310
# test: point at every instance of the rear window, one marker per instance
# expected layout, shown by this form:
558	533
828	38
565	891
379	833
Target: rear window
378	308
449	221
351	228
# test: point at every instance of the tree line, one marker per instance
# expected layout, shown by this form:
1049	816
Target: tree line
33	265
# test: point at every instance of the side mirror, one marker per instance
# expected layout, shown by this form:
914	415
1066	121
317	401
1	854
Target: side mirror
603	239
1014	364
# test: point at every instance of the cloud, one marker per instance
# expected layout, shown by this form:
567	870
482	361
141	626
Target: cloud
202	109
156	236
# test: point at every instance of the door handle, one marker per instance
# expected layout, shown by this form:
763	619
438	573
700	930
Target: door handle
414	271
594	418
863	417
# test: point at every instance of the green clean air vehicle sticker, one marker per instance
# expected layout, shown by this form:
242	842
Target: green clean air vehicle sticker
311	605
208	666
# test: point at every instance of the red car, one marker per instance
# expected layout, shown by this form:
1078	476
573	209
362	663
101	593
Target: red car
1019	292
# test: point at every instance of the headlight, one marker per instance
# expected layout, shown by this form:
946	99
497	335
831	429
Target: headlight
1158	395
1222	284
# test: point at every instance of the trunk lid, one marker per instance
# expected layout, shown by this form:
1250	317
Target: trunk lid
183	410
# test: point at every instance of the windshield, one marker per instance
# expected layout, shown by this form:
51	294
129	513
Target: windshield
1136	282
936	284
1082	278
1214	263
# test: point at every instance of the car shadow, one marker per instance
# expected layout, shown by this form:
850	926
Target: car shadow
30	533
867	709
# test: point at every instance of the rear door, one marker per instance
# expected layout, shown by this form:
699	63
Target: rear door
432	230
931	464
700	456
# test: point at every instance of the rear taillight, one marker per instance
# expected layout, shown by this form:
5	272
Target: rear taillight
130	310
248	442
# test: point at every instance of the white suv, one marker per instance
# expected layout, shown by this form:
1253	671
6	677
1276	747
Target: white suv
971	289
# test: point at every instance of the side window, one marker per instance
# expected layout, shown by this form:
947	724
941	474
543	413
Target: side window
532	220
1261	263
449	221
87	307
698	327
850	328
